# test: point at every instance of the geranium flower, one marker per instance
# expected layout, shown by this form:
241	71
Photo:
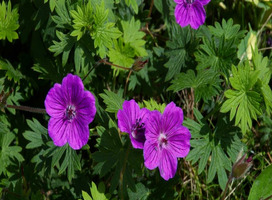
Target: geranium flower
132	120
190	12
71	110
166	140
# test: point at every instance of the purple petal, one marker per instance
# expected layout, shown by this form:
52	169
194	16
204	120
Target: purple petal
78	134
171	117
204	2
127	117
153	126
57	130
168	165
182	14
55	103
180	1
152	154
179	142
139	141
72	88
86	109
198	15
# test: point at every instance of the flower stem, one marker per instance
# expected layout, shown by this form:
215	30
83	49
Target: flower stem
26	108
226	188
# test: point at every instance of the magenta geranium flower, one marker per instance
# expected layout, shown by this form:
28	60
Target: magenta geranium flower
132	120
71	110
166	140
190	12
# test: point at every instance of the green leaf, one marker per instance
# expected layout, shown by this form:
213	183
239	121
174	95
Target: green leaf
8	153
227	29
62	19
98	193
113	101
205	84
36	135
151	104
86	196
64	46
243	101
217	55
179	49
221	145
141	192
9	22
11	73
133	4
104	32
82	19
126	48
262	186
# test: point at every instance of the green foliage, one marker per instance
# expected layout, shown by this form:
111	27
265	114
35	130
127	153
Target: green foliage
133	4
8	22
50	156
11	73
82	19
117	158
130	45
262	185
221	144
8	153
97	193
218	50
250	91
151	104
179	46
113	101
205	84
104	32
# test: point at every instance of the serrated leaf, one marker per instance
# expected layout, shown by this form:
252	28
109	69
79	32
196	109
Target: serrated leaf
104	32
220	145
8	153
151	104
11	73
205	84
133	4
64	46
178	50
243	102
113	101
9	22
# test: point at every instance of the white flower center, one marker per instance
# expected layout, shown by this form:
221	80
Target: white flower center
70	112
190	1
162	140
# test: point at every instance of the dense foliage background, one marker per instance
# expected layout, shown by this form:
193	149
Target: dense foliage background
220	76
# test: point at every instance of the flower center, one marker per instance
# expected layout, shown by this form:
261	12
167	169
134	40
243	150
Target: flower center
138	130
190	1
70	112
163	140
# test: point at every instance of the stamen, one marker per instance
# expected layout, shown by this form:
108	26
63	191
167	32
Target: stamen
70	112
190	1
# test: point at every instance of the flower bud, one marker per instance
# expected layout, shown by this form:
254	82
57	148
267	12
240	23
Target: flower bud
241	166
138	65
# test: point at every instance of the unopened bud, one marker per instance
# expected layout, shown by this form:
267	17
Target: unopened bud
241	166
3	99
138	65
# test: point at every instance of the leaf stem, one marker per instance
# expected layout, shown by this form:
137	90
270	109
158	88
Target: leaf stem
27	108
111	64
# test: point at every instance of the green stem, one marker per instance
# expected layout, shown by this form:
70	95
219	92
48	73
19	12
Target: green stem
226	188
26	108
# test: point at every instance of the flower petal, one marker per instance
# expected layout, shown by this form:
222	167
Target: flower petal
72	88
168	165
180	1
182	14
198	15
78	134
127	117
57	130
204	2
153	126
152	154
171	117
85	108
179	142
55	103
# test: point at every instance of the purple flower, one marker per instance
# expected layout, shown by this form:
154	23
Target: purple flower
132	120
71	110
190	12
166	140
